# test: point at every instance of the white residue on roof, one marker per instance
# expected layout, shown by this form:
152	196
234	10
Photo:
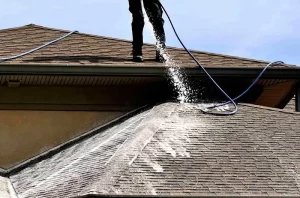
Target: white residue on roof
175	143
153	164
291	169
149	187
6	189
167	148
157	167
146	130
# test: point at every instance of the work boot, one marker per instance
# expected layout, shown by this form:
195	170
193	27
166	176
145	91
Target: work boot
137	54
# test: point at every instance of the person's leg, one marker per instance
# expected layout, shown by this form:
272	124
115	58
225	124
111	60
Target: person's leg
135	7
155	12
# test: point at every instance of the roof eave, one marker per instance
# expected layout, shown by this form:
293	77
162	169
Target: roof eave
191	196
150	71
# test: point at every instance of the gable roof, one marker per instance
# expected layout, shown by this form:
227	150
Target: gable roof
86	49
174	149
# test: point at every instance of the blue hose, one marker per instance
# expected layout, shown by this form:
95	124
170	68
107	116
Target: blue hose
38	48
216	84
254	82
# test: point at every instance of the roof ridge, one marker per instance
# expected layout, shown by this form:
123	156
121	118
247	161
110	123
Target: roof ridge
15	28
47	28
270	108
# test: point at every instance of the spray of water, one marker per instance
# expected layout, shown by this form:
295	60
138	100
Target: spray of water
175	73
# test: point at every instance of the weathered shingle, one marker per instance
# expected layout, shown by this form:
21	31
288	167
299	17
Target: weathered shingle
291	105
174	149
85	49
6	189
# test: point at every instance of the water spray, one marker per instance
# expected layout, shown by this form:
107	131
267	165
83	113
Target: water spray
177	77
230	100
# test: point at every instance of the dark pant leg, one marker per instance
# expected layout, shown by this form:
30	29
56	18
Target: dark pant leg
155	12
135	7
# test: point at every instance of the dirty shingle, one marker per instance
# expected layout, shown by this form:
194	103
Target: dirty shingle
85	49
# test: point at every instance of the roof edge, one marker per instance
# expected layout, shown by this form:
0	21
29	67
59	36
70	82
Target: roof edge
3	172
10	190
157	71
269	108
180	196
17	27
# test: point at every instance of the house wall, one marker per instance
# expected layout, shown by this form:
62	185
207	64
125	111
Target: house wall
110	98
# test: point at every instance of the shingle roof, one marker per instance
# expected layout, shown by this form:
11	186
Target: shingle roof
86	49
291	105
6	189
174	149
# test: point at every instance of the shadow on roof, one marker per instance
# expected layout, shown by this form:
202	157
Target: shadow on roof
93	59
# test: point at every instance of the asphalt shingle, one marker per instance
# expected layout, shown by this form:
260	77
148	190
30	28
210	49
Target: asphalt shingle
6	189
291	105
85	49
174	149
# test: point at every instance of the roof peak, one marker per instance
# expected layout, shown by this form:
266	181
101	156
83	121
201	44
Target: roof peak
28	25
